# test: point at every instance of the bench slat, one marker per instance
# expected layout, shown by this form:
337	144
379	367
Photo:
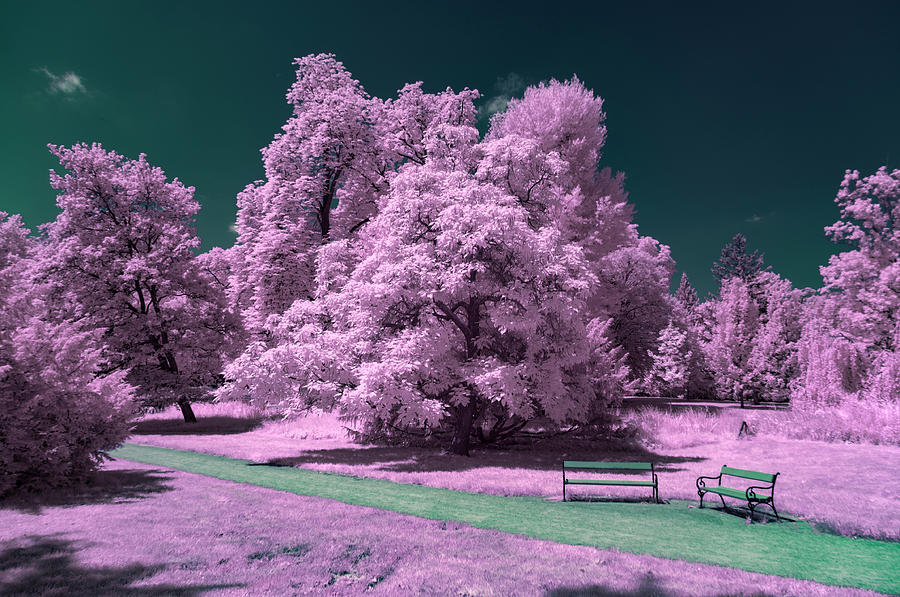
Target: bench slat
608	482
755	475
629	466
727	491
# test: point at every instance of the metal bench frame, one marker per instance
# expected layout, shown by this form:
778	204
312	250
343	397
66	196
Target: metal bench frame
753	498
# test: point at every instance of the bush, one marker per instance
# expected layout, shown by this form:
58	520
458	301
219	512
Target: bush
56	421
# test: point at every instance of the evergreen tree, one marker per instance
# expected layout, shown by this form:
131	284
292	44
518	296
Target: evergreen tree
736	262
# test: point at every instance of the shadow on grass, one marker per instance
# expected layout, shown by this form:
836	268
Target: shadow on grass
649	587
46	565
204	426
549	458
102	487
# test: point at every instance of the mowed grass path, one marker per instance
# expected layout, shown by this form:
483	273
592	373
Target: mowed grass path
673	531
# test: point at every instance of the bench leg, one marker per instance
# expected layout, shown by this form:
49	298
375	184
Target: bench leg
701	493
724	507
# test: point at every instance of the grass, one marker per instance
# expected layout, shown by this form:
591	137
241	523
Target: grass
671	531
846	489
142	532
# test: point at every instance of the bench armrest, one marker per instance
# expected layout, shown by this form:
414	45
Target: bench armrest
752	496
701	484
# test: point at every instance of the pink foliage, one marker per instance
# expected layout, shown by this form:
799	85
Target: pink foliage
56	418
736	321
323	174
670	370
469	284
850	338
633	289
773	364
119	259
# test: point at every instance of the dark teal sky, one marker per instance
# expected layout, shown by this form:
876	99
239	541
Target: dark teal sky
724	119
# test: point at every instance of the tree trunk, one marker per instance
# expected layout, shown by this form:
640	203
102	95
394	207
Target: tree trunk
186	411
464	416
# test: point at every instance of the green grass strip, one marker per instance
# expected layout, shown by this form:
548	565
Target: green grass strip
672	531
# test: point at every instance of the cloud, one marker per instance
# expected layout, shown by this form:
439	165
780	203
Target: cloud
493	105
233	228
505	88
510	84
69	84
754	219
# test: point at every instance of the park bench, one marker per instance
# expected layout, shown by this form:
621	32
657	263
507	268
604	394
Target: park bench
569	465
755	494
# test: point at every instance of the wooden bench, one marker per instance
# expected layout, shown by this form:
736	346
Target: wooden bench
569	465
755	495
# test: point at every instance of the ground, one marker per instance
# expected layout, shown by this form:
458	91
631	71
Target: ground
142	530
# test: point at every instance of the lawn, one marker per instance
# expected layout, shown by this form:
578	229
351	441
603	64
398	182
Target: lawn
842	488
142	531
146	530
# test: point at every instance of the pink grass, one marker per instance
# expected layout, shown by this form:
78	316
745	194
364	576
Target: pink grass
140	530
850	489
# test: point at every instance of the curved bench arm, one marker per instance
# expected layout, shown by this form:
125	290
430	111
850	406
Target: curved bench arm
701	484
753	497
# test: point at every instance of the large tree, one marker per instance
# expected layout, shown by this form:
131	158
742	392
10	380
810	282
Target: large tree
119	258
735	324
460	307
851	332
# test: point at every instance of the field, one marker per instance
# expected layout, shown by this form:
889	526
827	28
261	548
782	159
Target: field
145	530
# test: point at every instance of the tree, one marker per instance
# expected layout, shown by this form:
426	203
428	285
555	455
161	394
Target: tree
57	419
119	258
670	369
323	174
849	340
736	320
545	150
466	314
458	308
865	281
688	314
633	289
735	261
773	362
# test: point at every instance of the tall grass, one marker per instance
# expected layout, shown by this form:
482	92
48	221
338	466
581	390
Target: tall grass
685	428
232	409
853	420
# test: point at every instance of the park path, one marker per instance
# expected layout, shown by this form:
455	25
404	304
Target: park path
675	531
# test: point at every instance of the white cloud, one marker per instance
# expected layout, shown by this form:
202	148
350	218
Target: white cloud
233	229
505	88
68	84
510	84
493	105
754	219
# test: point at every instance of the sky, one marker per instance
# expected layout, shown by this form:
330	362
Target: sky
725	118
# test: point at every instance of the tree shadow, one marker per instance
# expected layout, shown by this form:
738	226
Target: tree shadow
417	460
46	565
102	487
648	587
219	425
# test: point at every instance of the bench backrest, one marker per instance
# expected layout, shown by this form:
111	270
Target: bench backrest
755	475
625	466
